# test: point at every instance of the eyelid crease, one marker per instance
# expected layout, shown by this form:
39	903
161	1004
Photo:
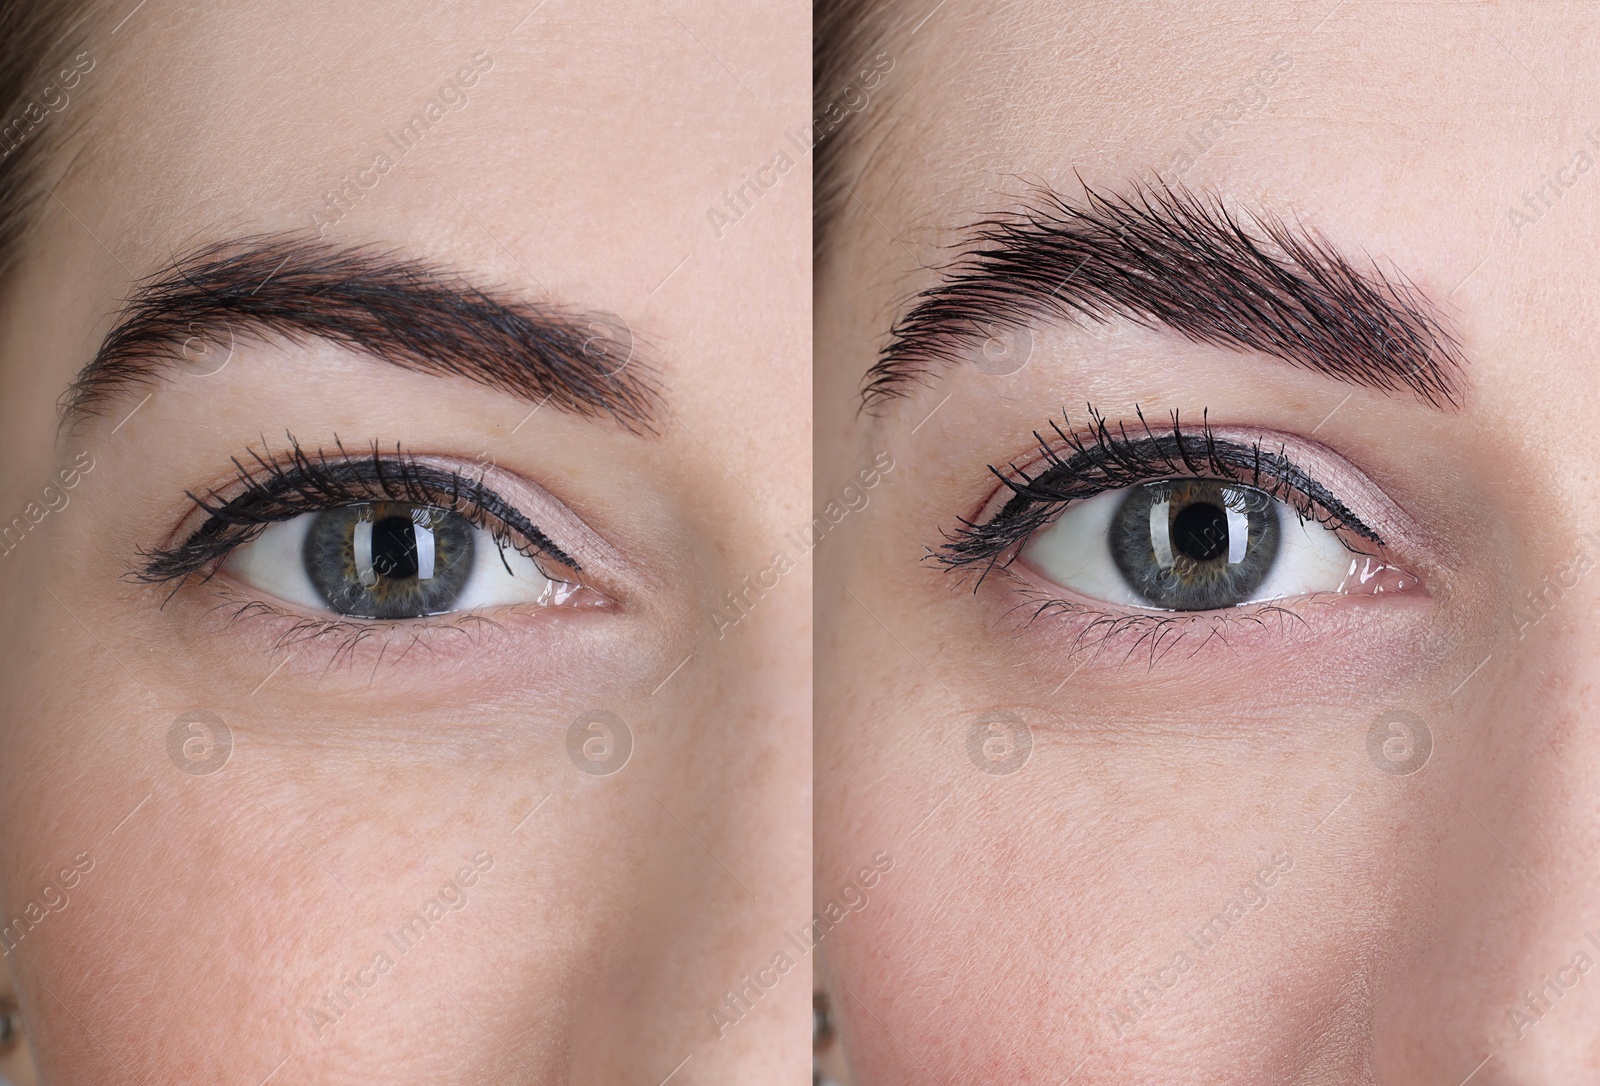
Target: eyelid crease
1077	466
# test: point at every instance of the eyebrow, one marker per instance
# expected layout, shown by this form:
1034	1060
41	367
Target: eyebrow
413	314
1167	258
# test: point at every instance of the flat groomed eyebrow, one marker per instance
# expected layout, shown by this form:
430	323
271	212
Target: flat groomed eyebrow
1167	258
413	314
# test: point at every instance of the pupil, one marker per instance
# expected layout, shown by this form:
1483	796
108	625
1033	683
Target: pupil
1199	531
394	547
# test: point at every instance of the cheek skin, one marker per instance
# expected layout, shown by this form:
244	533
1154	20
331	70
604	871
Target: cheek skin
245	897
1030	906
1035	923
249	893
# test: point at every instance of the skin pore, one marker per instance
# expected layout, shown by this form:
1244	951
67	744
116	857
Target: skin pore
229	923
1346	839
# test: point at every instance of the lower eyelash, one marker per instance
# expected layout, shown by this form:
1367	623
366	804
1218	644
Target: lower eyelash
1078	467
276	488
1160	632
349	635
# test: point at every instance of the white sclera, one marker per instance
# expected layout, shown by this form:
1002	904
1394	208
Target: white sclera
492	585
1075	552
274	563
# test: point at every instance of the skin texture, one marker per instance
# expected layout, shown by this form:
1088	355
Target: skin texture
1406	916
608	913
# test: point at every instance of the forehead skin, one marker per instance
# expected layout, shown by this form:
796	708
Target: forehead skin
1027	905
579	172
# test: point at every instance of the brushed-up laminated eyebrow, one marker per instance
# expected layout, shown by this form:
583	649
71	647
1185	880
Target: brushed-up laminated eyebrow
1164	257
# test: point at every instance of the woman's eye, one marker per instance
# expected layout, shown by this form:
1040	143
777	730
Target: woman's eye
1193	545
389	560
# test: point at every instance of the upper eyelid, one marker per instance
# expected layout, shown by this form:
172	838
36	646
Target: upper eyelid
527	500
461	485
1332	473
1183	451
1267	470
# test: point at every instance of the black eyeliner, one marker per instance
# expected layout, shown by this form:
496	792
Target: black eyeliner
277	488
1076	468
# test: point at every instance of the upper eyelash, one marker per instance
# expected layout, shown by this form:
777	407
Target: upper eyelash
279	487
1075	468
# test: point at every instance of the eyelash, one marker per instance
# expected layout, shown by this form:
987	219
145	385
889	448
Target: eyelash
279	487
1079	466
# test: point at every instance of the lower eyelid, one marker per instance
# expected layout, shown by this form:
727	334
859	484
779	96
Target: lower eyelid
323	643
1095	633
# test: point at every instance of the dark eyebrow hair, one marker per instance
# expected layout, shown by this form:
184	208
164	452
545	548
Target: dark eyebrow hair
410	313
1165	257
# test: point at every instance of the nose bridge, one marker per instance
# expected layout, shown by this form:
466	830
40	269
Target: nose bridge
1507	970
